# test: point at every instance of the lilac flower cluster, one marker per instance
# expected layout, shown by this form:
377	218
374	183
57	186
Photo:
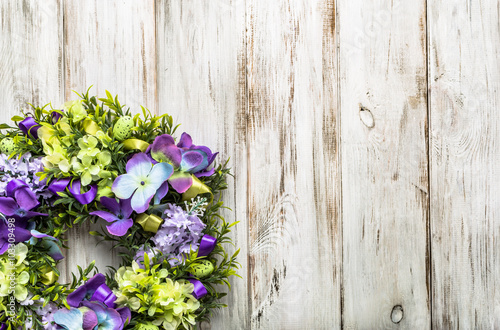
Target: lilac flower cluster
180	233
47	314
25	169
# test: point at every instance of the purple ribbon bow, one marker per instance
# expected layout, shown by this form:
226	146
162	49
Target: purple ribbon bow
55	116
83	198
74	188
207	245
104	294
59	185
199	289
29	125
14	185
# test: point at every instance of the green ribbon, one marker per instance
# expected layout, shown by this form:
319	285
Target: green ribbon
149	222
196	189
90	126
131	144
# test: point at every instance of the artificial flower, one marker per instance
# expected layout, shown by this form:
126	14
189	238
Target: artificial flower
91	167
85	169
171	303
56	156
21	201
17	270
51	133
86	291
82	318
119	217
47	242
179	233
76	110
23	168
186	158
87	146
141	181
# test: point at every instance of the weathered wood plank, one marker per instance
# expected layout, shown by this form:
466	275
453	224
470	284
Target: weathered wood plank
31	51
111	45
382	61
201	83
293	165
464	66
30	55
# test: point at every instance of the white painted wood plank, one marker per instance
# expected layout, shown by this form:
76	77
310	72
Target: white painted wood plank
30	55
464	66
382	61
31	50
293	165
201	83
111	45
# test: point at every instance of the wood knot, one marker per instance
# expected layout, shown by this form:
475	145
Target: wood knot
366	116
397	314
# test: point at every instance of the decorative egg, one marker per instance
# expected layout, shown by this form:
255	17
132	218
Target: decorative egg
122	127
202	268
146	326
7	146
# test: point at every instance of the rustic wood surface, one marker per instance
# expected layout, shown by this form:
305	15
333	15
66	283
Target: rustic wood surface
363	137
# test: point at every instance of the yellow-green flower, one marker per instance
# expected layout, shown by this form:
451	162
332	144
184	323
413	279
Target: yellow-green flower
14	273
76	110
87	146
86	170
56	156
151	292
91	168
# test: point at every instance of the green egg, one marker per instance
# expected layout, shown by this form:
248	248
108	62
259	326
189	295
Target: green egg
146	326
202	268
122	127
7	146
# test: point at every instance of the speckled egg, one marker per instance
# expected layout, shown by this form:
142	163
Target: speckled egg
202	268
122	127
7	146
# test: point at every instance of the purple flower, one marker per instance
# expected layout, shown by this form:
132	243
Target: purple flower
23	168
186	158
91	290
179	234
142	181
20	202
119	217
92	315
20	231
18	207
48	242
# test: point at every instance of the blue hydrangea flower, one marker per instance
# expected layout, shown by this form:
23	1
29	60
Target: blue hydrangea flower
142	181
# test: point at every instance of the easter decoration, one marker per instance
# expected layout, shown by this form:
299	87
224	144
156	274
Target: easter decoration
155	196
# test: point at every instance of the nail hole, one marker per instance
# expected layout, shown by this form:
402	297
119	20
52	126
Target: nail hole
397	314
366	117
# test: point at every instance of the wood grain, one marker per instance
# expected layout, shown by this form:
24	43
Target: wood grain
201	83
111	45
294	242
383	109
30	55
464	54
323	108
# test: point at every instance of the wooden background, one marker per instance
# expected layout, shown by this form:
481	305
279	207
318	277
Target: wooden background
363	134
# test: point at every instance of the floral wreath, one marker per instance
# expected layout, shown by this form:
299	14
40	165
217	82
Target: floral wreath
160	202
